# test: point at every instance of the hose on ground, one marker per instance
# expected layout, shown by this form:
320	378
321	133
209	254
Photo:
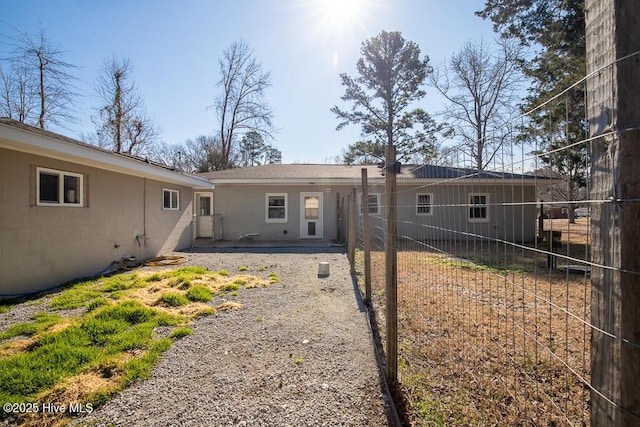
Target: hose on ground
162	261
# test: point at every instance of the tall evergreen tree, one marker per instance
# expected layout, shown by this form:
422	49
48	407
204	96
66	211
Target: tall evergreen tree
391	74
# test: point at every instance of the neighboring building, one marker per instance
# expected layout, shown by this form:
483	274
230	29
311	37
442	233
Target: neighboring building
299	201
68	210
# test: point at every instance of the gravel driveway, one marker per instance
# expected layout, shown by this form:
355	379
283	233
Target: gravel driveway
298	353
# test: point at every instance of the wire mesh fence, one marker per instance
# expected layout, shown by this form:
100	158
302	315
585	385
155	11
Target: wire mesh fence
494	278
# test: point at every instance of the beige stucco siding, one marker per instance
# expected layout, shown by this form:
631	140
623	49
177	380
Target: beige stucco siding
242	207
512	212
42	246
243	210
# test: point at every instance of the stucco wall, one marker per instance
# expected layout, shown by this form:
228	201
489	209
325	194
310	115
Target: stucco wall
509	219
243	210
43	246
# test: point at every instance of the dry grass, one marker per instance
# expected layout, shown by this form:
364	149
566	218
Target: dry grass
97	383
490	335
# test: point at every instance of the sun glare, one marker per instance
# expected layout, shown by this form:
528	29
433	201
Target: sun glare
337	17
340	13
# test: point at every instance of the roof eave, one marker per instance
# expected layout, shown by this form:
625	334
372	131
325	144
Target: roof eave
27	141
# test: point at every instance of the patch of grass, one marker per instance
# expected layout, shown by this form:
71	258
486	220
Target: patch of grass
181	332
273	277
231	287
189	271
121	282
78	295
173	299
206	312
199	293
139	368
243	268
97	303
299	360
6	305
105	332
430	413
262	268
155	277
229	305
41	322
479	265
113	341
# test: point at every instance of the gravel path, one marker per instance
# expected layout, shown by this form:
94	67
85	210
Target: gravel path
298	353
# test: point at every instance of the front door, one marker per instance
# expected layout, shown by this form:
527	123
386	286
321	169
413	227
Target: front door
204	219
311	215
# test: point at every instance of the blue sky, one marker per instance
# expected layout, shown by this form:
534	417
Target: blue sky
174	48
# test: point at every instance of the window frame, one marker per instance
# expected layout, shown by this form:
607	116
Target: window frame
267	207
471	205
61	178
378	199
171	191
418	204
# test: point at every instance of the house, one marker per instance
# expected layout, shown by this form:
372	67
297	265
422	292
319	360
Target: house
69	210
283	202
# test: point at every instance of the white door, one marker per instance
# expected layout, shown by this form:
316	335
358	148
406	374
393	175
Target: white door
311	215
204	219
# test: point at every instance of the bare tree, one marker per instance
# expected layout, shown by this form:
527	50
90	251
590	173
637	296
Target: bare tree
241	106
38	86
18	99
122	123
481	87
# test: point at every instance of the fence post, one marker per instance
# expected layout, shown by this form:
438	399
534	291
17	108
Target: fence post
391	265
352	231
339	232
614	114
366	237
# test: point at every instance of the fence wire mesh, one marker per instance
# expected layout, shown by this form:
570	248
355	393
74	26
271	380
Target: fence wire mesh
494	277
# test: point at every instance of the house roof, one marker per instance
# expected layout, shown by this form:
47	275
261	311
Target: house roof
324	173
28	139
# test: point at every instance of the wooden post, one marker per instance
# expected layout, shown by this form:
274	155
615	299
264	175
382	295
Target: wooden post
339	219
391	266
352	231
366	237
614	114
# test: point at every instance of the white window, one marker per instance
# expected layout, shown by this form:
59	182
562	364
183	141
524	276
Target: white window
170	199
58	188
373	204
276	207
478	207
423	204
